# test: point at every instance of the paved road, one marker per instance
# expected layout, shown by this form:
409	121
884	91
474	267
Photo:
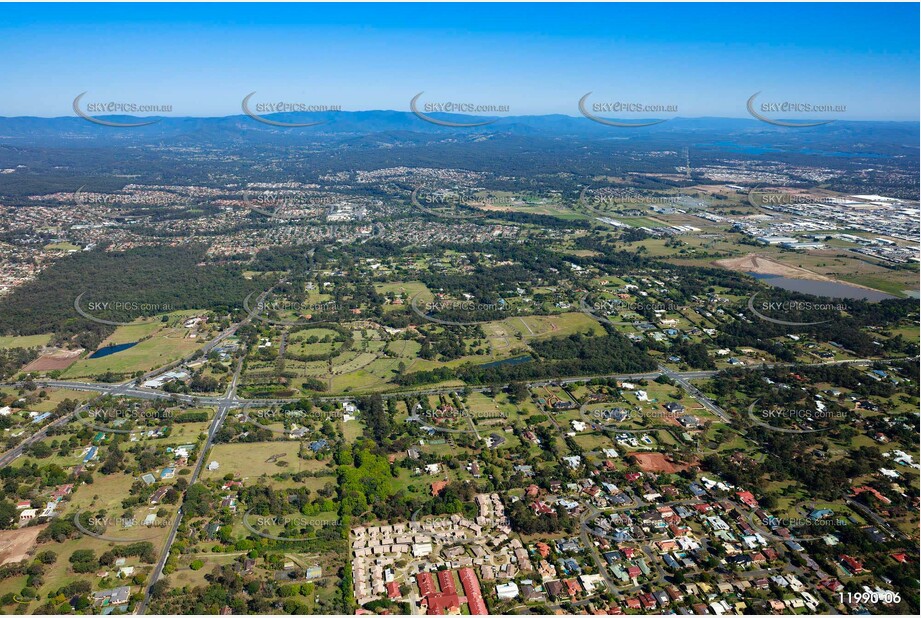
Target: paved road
9	456
230	401
227	402
879	521
585	533
694	392
150	393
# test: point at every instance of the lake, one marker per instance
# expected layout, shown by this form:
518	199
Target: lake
828	289
508	361
109	350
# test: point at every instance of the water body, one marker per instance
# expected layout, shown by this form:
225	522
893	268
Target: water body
828	289
508	361
109	350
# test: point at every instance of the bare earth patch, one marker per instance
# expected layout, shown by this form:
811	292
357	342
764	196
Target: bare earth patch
754	263
658	462
15	544
60	359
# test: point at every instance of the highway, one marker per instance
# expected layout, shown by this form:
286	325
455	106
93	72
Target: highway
9	456
229	401
694	392
131	390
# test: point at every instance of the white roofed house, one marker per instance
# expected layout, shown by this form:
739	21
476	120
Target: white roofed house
27	515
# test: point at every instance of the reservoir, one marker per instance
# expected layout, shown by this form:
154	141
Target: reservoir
828	289
109	350
508	361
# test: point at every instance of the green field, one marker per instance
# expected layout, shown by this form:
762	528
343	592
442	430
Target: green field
251	460
164	347
26	341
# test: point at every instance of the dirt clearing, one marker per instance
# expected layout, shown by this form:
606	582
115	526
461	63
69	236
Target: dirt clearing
61	359
15	544
657	462
758	264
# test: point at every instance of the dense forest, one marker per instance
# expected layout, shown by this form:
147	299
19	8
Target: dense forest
174	278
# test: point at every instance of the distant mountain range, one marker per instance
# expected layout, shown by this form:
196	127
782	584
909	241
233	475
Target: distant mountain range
393	127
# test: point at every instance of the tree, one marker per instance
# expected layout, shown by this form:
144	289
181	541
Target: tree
518	392
8	514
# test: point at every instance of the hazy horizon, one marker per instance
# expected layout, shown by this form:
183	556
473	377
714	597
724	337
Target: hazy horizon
705	60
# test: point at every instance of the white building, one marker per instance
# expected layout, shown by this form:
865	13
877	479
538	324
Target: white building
507	591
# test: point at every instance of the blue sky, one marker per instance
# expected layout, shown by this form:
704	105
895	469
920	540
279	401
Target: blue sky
707	59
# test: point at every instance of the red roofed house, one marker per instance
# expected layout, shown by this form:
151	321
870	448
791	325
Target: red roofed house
437	603
471	585
853	566
648	601
573	587
438	487
446	581
747	499
393	590
441	603
667	545
61	491
872	490
426	584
